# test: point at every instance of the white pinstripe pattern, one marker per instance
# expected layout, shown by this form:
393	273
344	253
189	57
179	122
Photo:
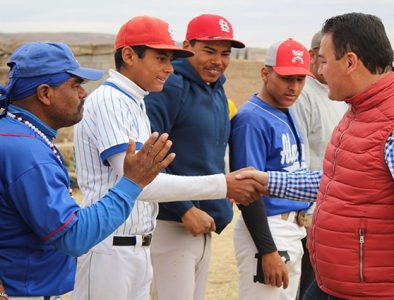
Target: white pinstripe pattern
111	118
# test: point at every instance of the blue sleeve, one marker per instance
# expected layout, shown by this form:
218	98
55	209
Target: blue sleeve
115	150
41	197
99	220
248	145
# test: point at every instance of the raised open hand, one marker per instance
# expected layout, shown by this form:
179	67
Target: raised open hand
142	167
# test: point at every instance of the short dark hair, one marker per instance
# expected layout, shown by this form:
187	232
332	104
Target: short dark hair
364	35
140	50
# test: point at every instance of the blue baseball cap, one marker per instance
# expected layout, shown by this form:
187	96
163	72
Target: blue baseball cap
40	59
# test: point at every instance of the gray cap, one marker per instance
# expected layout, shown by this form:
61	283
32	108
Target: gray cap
315	43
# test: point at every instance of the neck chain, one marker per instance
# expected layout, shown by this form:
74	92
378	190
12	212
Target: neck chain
42	135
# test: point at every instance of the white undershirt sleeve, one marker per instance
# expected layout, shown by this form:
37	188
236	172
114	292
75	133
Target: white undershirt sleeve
168	187
116	161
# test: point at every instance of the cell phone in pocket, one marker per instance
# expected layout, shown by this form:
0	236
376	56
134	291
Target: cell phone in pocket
259	277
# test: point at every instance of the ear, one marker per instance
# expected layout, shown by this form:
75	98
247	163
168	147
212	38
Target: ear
313	55
264	72
128	55
44	94
186	44
351	61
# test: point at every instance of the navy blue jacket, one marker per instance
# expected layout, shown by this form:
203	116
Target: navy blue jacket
195	115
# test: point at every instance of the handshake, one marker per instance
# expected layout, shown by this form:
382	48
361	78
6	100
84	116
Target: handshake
246	185
243	186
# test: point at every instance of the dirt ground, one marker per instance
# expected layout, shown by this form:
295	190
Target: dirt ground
223	273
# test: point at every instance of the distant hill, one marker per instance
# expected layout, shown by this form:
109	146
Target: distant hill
71	38
9	41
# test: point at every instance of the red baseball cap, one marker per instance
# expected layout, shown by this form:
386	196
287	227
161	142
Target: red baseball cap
208	27
151	32
288	58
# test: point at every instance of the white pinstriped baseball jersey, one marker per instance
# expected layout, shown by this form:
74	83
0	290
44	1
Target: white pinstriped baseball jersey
113	114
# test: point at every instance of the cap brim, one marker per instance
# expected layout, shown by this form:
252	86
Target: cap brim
87	73
290	71
178	52
234	43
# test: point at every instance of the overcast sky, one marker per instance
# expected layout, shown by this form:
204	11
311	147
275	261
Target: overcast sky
258	23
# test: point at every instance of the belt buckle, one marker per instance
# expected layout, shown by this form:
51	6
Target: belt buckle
299	218
146	239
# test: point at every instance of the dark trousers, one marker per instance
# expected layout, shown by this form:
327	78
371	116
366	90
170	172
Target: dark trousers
307	273
315	293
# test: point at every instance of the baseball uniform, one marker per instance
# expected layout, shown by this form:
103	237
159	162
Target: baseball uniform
267	138
117	268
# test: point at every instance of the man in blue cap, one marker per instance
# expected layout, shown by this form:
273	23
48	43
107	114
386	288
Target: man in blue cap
42	227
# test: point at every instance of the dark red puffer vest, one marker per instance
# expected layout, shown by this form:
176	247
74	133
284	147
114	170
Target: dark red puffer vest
352	234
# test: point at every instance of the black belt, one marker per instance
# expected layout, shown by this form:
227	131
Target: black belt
131	240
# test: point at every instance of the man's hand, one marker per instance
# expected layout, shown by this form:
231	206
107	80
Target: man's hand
198	221
142	167
259	176
244	191
275	271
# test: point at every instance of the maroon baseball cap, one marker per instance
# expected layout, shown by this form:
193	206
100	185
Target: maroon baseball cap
208	27
288	58
151	32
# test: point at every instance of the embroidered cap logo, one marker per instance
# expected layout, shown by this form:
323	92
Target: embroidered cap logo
224	25
171	32
298	54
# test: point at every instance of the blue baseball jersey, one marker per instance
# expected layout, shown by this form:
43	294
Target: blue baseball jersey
267	138
36	209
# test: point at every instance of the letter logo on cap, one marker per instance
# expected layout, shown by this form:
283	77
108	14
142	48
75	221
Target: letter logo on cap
171	32
224	25
298	54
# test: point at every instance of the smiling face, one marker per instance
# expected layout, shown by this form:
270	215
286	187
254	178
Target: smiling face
333	70
210	59
150	71
280	91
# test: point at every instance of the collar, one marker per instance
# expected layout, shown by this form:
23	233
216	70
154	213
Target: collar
377	92
264	105
128	86
28	116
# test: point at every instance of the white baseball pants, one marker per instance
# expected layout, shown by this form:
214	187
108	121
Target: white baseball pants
121	273
287	236
180	262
